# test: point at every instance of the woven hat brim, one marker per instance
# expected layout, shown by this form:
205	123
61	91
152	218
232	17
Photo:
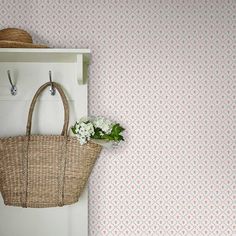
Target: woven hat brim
14	44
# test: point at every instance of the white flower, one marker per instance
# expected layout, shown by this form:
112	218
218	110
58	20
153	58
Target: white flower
84	131
104	124
85	128
84	119
82	140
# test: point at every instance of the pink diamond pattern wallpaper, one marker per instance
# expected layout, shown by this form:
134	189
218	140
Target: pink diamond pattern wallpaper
165	69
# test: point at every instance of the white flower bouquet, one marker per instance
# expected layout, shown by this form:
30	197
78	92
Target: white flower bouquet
99	130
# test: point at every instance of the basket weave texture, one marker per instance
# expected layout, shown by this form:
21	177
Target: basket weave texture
17	38
14	34
45	170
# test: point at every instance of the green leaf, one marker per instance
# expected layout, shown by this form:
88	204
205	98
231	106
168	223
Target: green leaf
115	134
116	130
96	136
97	133
118	138
73	129
107	137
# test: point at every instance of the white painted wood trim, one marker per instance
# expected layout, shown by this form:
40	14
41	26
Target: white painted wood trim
29	69
42	55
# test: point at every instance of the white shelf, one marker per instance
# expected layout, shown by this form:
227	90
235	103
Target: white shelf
80	57
43	55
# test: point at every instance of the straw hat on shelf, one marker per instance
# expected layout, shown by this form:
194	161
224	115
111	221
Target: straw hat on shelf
17	38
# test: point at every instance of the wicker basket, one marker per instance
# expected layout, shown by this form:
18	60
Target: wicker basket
45	170
17	38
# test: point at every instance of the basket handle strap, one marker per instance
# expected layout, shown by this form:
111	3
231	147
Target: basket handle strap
64	101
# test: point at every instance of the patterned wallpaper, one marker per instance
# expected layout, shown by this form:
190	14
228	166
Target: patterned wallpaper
164	69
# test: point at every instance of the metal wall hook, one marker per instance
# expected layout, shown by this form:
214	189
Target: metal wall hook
52	89
13	87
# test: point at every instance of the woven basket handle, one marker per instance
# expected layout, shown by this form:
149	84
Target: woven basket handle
64	101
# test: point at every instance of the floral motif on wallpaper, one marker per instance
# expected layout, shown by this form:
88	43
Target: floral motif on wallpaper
165	69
